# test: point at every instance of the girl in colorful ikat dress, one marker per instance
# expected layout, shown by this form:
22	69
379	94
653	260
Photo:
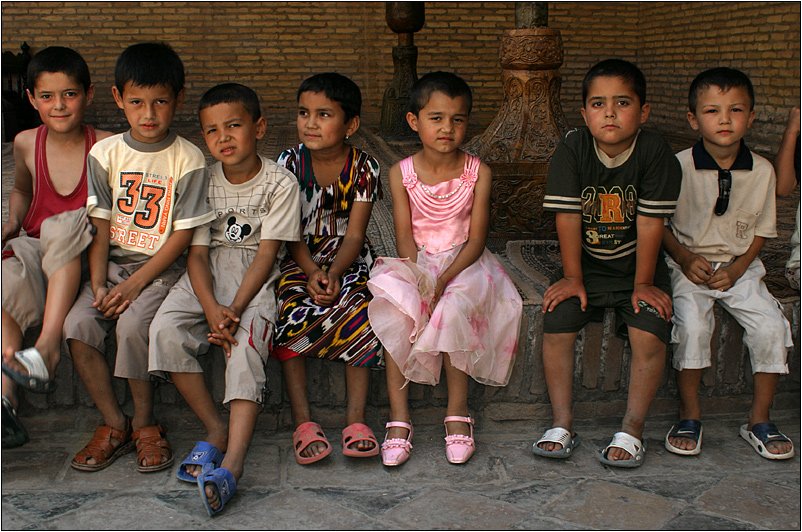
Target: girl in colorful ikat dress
322	292
447	293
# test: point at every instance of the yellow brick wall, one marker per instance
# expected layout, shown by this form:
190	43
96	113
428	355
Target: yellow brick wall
272	46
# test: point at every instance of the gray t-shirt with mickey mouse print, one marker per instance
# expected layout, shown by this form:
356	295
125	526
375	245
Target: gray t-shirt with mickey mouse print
265	207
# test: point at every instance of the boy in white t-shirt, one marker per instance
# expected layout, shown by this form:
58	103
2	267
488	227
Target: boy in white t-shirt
725	213
227	296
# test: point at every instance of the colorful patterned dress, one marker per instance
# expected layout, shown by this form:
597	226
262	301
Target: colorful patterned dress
342	331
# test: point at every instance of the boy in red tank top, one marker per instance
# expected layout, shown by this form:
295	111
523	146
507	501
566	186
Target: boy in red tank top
41	270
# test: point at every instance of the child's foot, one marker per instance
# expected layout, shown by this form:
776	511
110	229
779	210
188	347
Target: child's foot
397	443
216	487
310	443
556	442
551	445
460	444
359	441
625	450
107	444
217	439
685	438
28	368
775	442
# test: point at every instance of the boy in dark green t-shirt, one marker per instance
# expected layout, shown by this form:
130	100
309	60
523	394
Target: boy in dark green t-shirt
611	184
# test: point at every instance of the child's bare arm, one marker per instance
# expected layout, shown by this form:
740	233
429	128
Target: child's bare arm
256	275
350	248
725	277
569	233
650	235
477	237
98	258
695	267
784	162
200	276
19	200
402	218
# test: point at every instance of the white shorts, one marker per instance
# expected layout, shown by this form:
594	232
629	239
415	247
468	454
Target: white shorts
767	333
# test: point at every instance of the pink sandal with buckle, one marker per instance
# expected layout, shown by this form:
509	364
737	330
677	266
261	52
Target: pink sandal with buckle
395	451
459	447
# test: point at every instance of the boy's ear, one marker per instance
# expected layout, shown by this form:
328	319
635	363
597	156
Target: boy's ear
751	118
353	125
179	98
118	97
90	94
693	121
31	98
644	112
261	127
412	120
582	112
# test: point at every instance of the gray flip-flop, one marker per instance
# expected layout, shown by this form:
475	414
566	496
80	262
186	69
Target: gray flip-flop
557	435
37	379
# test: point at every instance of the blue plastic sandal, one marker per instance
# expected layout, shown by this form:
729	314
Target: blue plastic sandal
203	453
223	480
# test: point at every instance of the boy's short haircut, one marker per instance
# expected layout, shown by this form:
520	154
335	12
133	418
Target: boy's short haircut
58	59
723	78
149	64
616	68
232	93
448	83
337	88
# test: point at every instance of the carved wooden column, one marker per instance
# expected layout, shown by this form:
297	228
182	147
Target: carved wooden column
519	142
404	18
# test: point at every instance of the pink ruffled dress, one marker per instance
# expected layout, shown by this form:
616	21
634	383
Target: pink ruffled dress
477	319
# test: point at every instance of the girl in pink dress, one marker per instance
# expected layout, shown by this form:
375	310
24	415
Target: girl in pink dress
447	302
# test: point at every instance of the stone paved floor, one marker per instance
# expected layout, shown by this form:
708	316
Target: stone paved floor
503	486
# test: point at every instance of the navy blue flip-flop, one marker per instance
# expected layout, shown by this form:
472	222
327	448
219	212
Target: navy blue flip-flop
686	428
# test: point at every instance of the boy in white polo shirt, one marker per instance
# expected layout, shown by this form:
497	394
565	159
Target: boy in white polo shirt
725	213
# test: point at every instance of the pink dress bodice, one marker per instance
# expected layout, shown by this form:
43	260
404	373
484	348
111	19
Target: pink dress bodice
440	214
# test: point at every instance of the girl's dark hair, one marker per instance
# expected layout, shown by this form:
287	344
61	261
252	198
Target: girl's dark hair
149	64
724	78
58	59
616	68
450	84
232	93
337	88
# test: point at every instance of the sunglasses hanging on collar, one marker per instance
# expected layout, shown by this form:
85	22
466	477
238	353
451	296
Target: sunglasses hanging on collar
724	186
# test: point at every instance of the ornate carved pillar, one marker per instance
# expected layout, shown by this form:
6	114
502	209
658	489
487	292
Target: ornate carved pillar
404	18
519	142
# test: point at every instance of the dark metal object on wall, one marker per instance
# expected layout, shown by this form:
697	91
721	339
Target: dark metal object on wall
403	18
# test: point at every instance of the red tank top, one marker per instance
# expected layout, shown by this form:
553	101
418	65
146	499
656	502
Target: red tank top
46	201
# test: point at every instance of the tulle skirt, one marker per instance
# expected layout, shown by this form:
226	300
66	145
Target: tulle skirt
476	320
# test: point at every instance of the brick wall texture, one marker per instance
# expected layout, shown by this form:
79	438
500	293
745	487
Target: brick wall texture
272	46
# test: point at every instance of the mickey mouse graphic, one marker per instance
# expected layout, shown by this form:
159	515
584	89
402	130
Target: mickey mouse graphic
236	233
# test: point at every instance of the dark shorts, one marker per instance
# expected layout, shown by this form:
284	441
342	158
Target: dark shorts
568	317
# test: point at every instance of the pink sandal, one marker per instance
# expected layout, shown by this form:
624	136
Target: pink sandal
459	447
355	433
305	434
395	451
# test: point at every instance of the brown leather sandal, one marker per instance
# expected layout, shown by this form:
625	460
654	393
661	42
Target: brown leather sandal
102	449
151	443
